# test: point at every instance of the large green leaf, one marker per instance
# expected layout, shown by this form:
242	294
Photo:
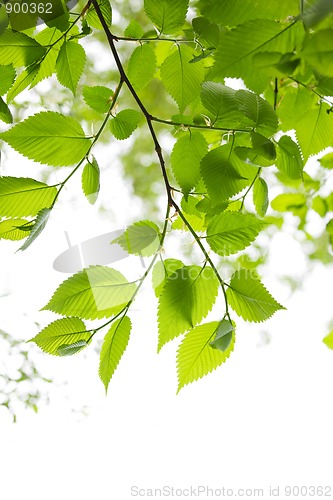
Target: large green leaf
124	123
196	357
7	78
185	159
114	346
166	15
10	229
141	66
187	297
21	196
181	78
60	333
19	49
91	180
50	138
70	63
37	228
99	98
230	232
141	238
249	298
318	52
219	170
95	292
314	130
289	158
162	270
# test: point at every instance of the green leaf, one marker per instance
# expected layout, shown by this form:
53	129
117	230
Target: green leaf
141	238
261	114
5	114
50	138
65	331
314	130
91	180
37	228
99	98
181	78
260	196
328	340
187	297
196	358
70	349
249	298
114	346
134	30
23	81
142	66
224	336
161	272
167	15
230	232
94	293
7	78
289	160
313	14
70	63
219	170
327	161
288	202
208	33
92	17
124	123
10	229
21	196
19	49
185	159
318	52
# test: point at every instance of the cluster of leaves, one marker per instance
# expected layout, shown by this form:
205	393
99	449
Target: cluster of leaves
216	178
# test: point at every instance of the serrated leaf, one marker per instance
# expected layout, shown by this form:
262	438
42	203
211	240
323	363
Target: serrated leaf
187	297
19	49
94	293
185	159
249	298
209	33
141	238
70	63
181	78
134	30
7	78
50	138
289	158
92	17
70	349
21	196
124	123
142	66
260	196
219	170
161	271
196	358
99	98
167	15
259	111
91	180
23	81
314	130
10	229
224	336
231	232
65	331
5	114
37	228
114	346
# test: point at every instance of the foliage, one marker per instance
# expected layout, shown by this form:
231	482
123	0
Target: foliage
232	144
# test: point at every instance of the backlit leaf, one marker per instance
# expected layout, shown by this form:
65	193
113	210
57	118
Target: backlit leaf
98	98
37	228
10	229
141	238
19	49
142	66
161	271
7	78
289	158
260	196
5	114
91	180
314	130
166	15
70	63
124	123
21	196
92	17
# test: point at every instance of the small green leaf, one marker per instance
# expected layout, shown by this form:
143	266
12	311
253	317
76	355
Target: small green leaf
249	298
181	78
5	114
91	180
289	160
161	271
124	123
167	15
94	293
114	346
141	238
230	232
70	349
328	340
10	229
37	228
7	78
224	336
196	358
142	66
260	196
187	297
185	159
50	138
134	30
99	98
92	17
21	196
70	64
